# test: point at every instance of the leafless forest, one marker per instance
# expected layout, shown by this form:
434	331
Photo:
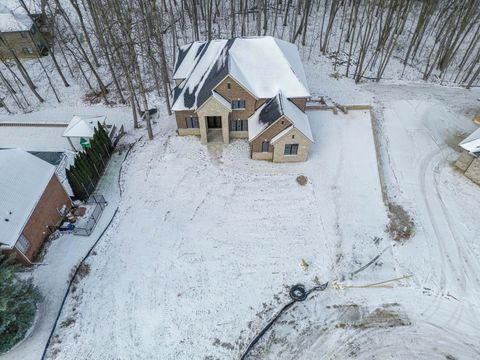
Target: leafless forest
123	51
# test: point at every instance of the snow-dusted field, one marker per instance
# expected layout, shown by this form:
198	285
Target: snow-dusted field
433	314
207	238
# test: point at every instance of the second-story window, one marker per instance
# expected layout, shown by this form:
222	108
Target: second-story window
229	86
238	104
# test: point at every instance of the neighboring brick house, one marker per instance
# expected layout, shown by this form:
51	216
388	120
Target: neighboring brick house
20	35
32	203
248	87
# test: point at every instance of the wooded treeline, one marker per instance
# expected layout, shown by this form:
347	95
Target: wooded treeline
124	50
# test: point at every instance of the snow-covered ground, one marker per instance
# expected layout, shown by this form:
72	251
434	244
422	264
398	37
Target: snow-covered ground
207	240
434	313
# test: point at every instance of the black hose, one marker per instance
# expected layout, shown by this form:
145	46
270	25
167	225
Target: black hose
297	293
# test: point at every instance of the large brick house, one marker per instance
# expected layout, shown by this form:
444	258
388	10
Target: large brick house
249	87
32	203
22	35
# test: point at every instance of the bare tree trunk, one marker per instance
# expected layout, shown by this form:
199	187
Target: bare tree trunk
22	70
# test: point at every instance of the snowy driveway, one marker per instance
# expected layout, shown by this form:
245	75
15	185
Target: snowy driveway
206	240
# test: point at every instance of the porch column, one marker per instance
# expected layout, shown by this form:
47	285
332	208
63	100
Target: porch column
225	129
202	122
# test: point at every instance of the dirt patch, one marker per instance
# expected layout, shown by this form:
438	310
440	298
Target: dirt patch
454	139
387	315
80	211
66	323
302	180
83	271
224	345
93	97
401	225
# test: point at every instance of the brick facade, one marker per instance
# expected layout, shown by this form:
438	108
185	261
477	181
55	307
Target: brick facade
237	92
231	90
45	214
278	126
180	118
294	136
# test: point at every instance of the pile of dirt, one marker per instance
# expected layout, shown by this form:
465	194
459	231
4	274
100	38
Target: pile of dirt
302	180
387	315
401	225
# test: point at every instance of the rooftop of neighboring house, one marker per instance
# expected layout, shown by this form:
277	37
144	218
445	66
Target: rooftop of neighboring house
23	180
83	126
262	65
14	18
472	142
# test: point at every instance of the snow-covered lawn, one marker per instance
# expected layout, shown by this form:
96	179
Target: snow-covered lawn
433	314
206	239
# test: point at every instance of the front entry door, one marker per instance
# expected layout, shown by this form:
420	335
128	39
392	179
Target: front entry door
214	122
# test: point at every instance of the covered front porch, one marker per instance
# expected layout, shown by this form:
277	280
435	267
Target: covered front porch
213	121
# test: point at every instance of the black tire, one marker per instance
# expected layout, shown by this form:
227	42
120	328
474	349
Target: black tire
298	292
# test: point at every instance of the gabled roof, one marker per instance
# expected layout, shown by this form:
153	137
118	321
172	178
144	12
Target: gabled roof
208	66
262	65
272	110
472	142
222	100
23	179
82	126
13	19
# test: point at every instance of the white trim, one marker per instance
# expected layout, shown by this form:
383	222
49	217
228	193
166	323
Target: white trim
214	98
261	132
25	256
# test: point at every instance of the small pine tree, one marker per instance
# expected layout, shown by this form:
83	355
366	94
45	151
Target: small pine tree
84	172
94	159
87	170
106	139
18	305
80	182
102	145
73	183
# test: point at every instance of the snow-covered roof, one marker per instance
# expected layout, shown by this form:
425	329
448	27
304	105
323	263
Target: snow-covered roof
186	58
208	66
272	110
83	126
472	142
222	100
23	179
255	126
262	65
14	19
265	65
